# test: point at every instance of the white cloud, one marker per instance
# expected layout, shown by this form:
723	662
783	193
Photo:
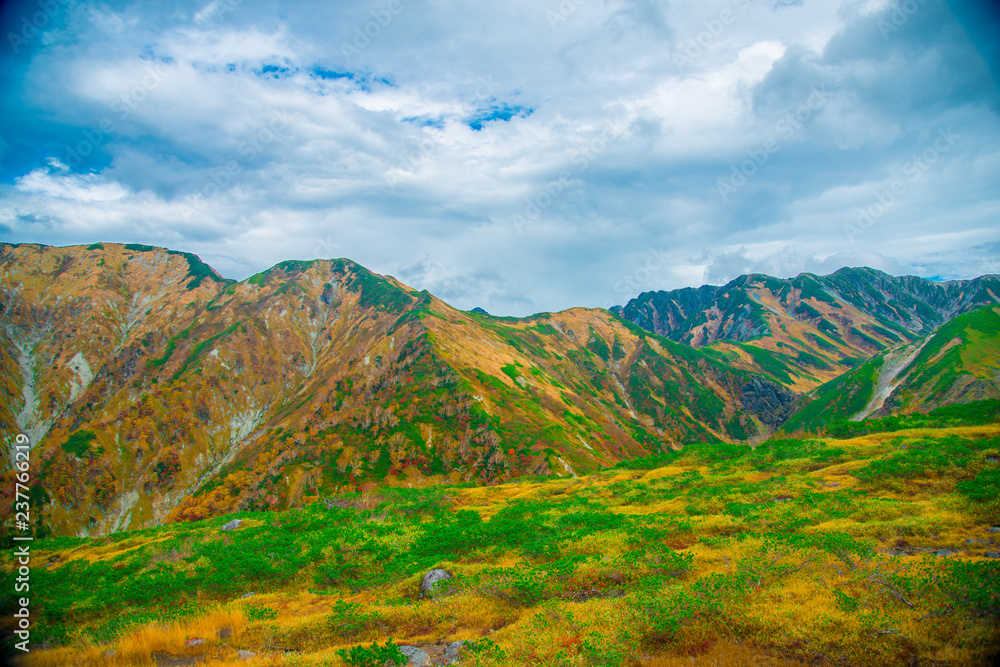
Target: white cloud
77	187
247	167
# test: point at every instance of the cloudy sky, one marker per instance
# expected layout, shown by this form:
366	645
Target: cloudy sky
523	155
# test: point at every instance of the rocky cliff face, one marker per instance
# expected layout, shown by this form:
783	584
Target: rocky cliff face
807	330
153	389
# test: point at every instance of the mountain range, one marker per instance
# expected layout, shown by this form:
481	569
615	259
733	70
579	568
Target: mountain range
153	389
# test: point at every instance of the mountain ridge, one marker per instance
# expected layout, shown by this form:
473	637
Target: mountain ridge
957	363
152	395
153	389
803	331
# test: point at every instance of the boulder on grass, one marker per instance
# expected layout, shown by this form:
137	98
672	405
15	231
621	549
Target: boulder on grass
233	525
415	656
452	653
430	581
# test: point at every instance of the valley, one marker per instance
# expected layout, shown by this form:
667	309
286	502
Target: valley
670	482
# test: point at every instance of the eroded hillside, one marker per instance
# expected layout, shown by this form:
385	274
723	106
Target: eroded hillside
958	363
153	389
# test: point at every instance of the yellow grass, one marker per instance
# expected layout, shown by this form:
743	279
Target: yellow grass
795	616
723	654
137	647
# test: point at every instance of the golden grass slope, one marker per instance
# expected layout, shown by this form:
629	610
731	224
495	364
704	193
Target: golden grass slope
799	552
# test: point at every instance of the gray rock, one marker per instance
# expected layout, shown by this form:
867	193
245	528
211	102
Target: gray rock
431	579
771	403
245	655
943	552
452	653
993	529
110	653
415	656
248	595
233	525
992	554
972	541
782	499
168	660
197	641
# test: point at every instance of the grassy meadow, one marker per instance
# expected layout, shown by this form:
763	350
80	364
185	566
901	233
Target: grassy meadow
867	549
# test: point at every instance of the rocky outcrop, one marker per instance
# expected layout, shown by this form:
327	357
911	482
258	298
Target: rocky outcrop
771	403
730	312
415	656
431	580
453	653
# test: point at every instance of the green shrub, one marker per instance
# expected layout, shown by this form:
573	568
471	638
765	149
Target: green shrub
78	442
926	458
373	656
845	602
984	487
601	650
260	613
350	619
485	647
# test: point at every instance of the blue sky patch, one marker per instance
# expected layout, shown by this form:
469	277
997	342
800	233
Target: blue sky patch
502	112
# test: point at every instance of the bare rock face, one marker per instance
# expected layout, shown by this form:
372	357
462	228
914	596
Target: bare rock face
453	653
431	579
415	656
772	403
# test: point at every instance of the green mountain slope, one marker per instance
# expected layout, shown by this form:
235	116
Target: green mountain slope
958	363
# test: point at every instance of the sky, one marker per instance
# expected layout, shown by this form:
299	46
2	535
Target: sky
520	156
